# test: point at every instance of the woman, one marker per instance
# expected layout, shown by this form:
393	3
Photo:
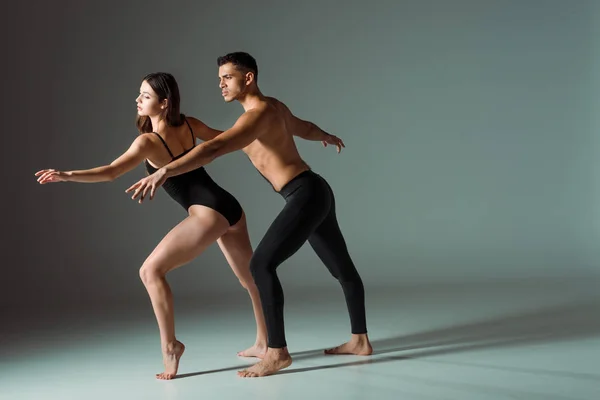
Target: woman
213	213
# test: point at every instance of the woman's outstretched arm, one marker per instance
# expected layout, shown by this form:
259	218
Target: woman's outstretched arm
136	153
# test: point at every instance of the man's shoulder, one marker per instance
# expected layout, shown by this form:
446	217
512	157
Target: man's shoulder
264	110
272	99
276	103
256	116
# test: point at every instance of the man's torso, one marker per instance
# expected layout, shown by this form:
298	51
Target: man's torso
274	153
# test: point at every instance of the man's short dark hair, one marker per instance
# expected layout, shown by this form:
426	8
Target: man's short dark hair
243	61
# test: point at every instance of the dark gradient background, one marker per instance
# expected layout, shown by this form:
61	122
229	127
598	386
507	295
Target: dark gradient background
471	133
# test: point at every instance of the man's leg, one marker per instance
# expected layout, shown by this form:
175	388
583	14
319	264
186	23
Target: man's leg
303	212
329	244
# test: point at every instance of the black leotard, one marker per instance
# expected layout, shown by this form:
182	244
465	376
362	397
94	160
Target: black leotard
197	187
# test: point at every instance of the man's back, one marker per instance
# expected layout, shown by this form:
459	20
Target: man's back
274	152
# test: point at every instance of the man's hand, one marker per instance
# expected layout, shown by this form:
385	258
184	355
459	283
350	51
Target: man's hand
334	141
151	182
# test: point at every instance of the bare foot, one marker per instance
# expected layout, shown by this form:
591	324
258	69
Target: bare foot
274	361
359	345
171	358
255	351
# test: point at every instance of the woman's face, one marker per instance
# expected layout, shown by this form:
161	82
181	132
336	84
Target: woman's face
148	103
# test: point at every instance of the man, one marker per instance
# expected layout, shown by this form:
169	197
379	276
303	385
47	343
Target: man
265	133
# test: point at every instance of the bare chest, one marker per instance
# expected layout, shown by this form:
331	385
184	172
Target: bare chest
259	154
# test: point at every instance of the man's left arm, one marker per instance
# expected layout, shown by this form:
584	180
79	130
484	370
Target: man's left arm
246	130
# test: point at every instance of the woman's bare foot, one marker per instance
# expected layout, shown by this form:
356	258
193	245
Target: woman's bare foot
258	350
359	345
171	356
274	361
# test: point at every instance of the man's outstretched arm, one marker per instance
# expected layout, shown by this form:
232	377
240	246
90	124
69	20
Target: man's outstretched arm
310	131
241	134
246	129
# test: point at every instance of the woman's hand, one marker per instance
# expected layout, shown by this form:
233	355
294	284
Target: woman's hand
51	175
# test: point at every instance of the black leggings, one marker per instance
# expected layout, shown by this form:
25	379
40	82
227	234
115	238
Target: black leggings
309	214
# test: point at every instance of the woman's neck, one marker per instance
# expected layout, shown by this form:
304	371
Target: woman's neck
159	123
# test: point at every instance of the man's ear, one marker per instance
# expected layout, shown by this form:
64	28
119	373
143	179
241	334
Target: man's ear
250	77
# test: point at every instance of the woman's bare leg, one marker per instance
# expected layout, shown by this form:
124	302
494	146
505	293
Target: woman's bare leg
182	244
235	245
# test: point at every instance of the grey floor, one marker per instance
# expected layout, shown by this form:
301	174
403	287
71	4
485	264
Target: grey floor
511	340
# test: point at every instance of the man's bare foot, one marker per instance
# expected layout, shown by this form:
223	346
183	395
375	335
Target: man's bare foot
258	350
274	361
359	345
171	356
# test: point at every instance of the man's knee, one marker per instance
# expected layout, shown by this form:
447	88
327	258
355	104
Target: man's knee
257	269
261	264
346	274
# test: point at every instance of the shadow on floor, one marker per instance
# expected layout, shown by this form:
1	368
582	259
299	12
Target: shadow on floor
577	320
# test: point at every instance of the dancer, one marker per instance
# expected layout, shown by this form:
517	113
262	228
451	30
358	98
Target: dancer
213	213
265	132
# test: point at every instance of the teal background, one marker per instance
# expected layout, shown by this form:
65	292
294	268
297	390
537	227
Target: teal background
471	133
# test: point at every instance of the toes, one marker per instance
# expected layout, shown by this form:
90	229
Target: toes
247	374
164	376
341	349
251	354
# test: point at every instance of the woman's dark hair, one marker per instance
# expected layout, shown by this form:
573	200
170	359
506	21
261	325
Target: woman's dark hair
165	86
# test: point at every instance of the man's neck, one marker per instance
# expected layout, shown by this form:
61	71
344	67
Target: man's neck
252	99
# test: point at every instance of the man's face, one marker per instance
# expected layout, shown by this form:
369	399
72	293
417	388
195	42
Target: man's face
231	81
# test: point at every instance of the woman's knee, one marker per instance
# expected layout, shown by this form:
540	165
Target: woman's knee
245	281
150	272
248	283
